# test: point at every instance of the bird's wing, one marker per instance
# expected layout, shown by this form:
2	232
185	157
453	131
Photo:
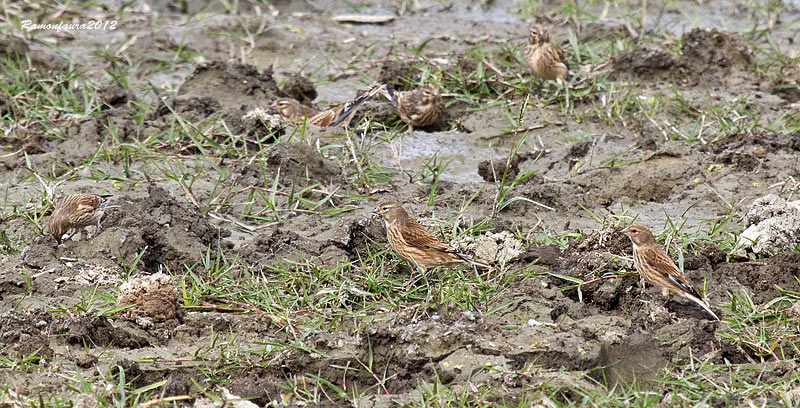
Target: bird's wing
558	55
77	202
92	200
415	235
85	207
326	117
659	261
372	91
343	111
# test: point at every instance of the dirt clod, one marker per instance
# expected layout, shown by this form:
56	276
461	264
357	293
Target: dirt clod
773	227
299	88
300	163
711	55
498	248
85	360
155	298
395	73
494	170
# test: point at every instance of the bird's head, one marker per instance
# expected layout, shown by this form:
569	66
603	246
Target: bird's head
430	94
538	35
640	235
57	226
286	107
391	211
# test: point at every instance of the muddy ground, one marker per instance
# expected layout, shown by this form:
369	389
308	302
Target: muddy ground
687	119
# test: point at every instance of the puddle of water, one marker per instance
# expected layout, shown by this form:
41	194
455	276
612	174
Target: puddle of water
418	148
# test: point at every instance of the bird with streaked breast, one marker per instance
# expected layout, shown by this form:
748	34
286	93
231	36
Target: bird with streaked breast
75	212
414	243
419	107
657	268
545	58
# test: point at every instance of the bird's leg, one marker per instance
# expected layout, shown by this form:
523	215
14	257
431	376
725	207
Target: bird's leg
414	266
665	293
564	86
101	213
647	293
666	300
98	229
412	281
96	232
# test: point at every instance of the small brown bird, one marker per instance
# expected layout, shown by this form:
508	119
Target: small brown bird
416	245
657	268
545	58
77	211
420	107
295	113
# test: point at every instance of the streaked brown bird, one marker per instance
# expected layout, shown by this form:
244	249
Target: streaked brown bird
295	113
77	211
657	268
415	244
545	58
420	107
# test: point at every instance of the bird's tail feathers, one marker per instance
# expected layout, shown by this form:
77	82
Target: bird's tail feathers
389	93
467	259
702	304
351	106
372	91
